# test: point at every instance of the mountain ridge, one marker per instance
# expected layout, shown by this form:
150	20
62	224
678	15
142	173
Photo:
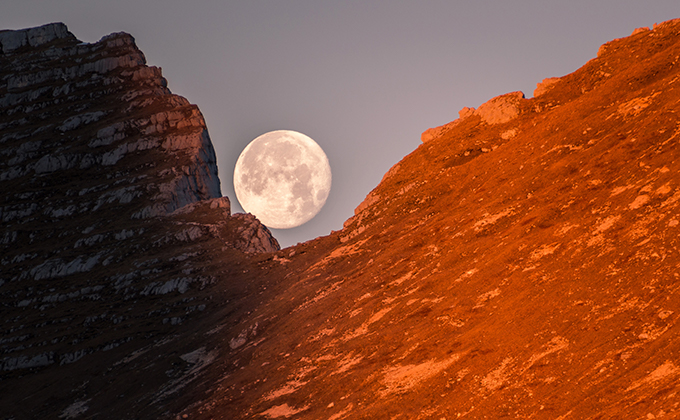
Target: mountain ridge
522	262
108	192
515	268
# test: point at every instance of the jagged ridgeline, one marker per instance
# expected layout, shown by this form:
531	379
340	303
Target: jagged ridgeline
109	202
523	262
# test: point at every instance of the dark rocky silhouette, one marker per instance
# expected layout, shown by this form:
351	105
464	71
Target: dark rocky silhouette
109	201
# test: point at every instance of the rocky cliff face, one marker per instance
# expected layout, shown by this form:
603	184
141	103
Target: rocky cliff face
108	195
523	262
78	108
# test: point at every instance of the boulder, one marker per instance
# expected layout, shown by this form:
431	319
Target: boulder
501	109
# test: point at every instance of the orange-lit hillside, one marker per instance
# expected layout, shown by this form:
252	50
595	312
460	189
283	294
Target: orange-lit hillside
521	263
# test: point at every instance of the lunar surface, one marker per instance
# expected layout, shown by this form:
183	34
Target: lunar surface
283	178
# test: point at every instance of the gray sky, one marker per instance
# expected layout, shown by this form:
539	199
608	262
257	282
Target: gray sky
362	78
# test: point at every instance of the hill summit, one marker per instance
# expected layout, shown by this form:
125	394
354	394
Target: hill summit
522	262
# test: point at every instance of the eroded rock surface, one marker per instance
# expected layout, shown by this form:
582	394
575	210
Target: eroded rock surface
499	110
109	202
526	268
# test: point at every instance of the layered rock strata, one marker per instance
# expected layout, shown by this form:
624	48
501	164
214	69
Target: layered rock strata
109	197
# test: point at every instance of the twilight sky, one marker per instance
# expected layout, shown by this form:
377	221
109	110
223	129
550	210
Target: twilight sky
363	78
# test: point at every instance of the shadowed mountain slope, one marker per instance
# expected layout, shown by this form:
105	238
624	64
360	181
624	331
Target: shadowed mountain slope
109	203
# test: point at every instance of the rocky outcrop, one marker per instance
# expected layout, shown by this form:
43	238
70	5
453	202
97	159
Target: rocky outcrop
253	236
11	41
109	203
499	110
545	85
71	109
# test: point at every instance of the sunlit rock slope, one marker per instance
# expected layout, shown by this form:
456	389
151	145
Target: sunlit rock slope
522	263
109	206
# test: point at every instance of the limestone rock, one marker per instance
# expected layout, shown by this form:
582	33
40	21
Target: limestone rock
10	41
545	86
436	132
500	109
253	236
640	30
221	203
466	112
112	222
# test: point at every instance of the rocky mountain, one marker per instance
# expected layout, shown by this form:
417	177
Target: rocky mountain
523	262
109	202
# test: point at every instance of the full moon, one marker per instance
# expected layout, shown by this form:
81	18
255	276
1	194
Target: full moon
283	178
